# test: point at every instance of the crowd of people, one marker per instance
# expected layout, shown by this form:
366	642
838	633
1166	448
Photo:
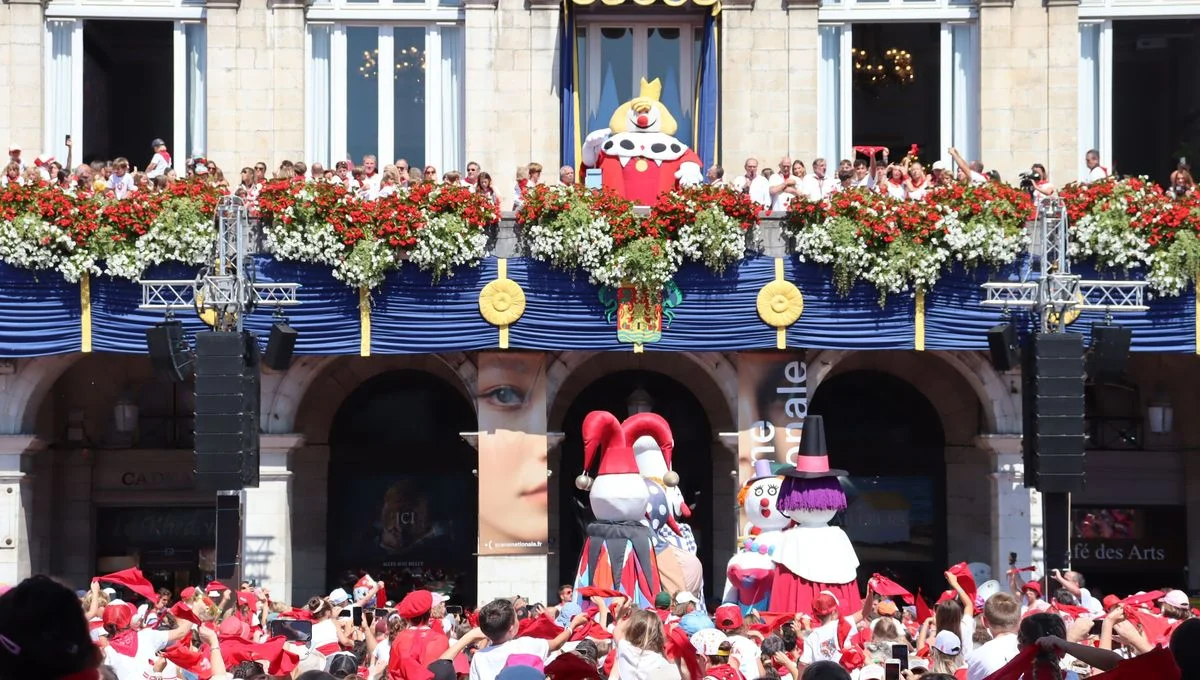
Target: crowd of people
123	628
872	169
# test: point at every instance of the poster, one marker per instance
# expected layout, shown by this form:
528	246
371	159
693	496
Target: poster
772	405
890	518
513	481
392	524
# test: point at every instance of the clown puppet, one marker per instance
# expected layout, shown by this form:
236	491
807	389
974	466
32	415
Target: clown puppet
618	550
638	155
679	568
811	556
751	571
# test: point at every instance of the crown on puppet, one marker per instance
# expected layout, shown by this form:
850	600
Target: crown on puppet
601	428
649	94
654	426
651	89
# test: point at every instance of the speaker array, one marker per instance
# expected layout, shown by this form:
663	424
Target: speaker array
1053	405
227	410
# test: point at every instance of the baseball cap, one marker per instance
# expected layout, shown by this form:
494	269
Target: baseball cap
13	146
439	598
728	617
824	604
886	608
947	643
157	143
339	596
686	598
1176	598
708	642
939	165
662	600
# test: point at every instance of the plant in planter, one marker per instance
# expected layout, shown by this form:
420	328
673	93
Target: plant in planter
710	223
454	229
561	226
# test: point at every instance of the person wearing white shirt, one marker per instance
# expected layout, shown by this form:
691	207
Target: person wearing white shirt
1001	616
784	186
864	173
121	182
1074	582
817	185
1042	188
1095	171
160	162
822	643
753	184
371	177
973	171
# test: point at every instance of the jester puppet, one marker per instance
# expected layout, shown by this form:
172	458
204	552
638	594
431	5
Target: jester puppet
811	556
619	549
638	155
678	566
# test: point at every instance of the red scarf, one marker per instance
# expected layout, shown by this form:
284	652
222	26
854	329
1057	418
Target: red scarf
125	642
1023	667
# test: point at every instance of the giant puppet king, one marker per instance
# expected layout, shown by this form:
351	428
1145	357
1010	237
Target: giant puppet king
638	155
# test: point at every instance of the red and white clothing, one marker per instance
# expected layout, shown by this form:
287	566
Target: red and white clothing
815	188
487	663
96	628
325	637
130	653
758	188
641	165
779	203
121	185
159	164
1096	174
916	191
894	189
822	643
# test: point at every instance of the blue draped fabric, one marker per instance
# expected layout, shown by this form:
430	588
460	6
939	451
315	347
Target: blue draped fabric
410	314
327	317
39	313
853	321
708	92
570	140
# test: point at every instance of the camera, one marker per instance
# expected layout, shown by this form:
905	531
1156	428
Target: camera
1029	180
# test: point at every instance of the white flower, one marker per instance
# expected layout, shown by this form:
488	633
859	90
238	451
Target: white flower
446	242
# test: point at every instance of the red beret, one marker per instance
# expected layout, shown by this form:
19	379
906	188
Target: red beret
415	604
1035	586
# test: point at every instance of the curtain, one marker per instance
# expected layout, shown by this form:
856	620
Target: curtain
570	141
196	40
319	96
452	96
60	87
708	93
829	93
965	89
1089	91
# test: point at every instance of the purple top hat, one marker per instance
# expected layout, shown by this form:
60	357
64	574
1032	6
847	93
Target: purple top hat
762	470
813	461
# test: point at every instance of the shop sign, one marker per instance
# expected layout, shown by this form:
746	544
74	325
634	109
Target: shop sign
1133	538
118	529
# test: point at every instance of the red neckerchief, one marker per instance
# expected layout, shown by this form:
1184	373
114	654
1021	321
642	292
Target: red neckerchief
895	182
125	642
918	186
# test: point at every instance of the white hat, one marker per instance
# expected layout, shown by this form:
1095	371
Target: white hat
939	165
708	642
1176	598
13	146
685	597
339	596
439	598
109	591
947	643
201	169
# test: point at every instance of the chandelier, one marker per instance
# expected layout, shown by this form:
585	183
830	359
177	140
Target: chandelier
407	59
895	67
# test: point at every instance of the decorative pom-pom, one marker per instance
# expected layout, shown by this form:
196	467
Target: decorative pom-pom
583	482
671	478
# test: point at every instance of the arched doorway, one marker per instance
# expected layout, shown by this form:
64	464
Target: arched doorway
888	436
623	393
403	503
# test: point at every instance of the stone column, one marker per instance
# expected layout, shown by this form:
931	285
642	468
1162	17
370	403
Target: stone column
18	535
286	49
225	109
267	550
754	40
804	62
1063	155
1015	510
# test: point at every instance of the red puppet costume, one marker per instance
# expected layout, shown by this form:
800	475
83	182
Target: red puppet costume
618	552
638	154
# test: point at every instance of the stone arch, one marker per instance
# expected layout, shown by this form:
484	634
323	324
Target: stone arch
307	398
26	389
997	395
716	388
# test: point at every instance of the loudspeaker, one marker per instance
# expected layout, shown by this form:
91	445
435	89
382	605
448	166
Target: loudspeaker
169	353
1109	349
227	409
229	535
1053	405
1002	343
280	345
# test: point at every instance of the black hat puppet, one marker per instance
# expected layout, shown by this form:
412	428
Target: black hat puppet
811	485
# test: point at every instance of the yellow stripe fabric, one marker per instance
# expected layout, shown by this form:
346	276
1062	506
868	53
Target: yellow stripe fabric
85	313
364	321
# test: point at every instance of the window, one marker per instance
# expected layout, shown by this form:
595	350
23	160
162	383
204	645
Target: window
166	415
927	72
354	110
614	57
